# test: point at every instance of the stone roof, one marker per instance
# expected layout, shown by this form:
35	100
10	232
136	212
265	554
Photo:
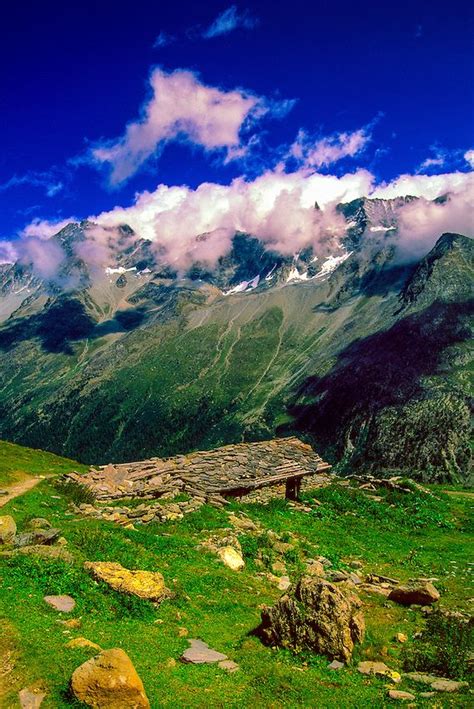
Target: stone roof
229	470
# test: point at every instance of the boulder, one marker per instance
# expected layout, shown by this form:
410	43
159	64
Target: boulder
422	594
7	529
231	558
316	616
109	681
149	585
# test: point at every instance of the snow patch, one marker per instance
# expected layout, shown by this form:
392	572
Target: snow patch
119	270
331	263
244	286
382	228
295	275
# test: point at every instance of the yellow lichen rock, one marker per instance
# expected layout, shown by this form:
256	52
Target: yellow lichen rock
231	558
109	681
7	529
82	642
144	584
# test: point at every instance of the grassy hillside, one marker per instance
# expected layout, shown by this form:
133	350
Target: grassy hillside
17	461
400	537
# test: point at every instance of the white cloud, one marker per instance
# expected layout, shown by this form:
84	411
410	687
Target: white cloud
183	108
469	157
428	186
188	225
313	154
422	222
47	180
228	21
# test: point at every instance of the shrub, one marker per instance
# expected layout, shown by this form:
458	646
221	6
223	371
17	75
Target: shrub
75	492
444	647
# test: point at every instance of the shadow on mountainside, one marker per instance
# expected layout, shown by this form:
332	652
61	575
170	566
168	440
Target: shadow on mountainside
382	370
64	323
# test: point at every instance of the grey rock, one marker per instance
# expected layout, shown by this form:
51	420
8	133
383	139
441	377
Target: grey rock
64	603
31	698
200	653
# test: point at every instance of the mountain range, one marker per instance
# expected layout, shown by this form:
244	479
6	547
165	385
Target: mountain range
366	355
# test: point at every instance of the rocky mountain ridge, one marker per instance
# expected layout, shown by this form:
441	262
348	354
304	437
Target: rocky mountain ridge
365	355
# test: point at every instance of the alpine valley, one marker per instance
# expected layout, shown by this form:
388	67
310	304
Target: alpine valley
364	354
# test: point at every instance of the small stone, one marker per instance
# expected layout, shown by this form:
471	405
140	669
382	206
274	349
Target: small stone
401	637
228	665
284	583
231	558
64	604
315	568
378	668
356	564
31	698
278	567
200	653
402	696
109	681
7	529
39	523
448	685
74	623
82	642
438	684
335	665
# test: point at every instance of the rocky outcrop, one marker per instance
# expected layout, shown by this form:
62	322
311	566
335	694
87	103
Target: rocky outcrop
109	681
317	616
148	585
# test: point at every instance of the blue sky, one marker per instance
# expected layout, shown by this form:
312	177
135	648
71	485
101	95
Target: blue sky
387	85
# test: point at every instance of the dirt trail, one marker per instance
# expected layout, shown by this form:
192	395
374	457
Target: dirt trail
459	493
18	489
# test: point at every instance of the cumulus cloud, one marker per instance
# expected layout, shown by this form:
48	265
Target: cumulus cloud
428	186
315	153
421	222
187	225
183	108
277	207
228	21
469	157
43	228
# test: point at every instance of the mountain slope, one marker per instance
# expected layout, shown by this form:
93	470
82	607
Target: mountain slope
361	357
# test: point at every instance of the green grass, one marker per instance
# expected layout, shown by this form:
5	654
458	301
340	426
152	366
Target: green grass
221	606
18	461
